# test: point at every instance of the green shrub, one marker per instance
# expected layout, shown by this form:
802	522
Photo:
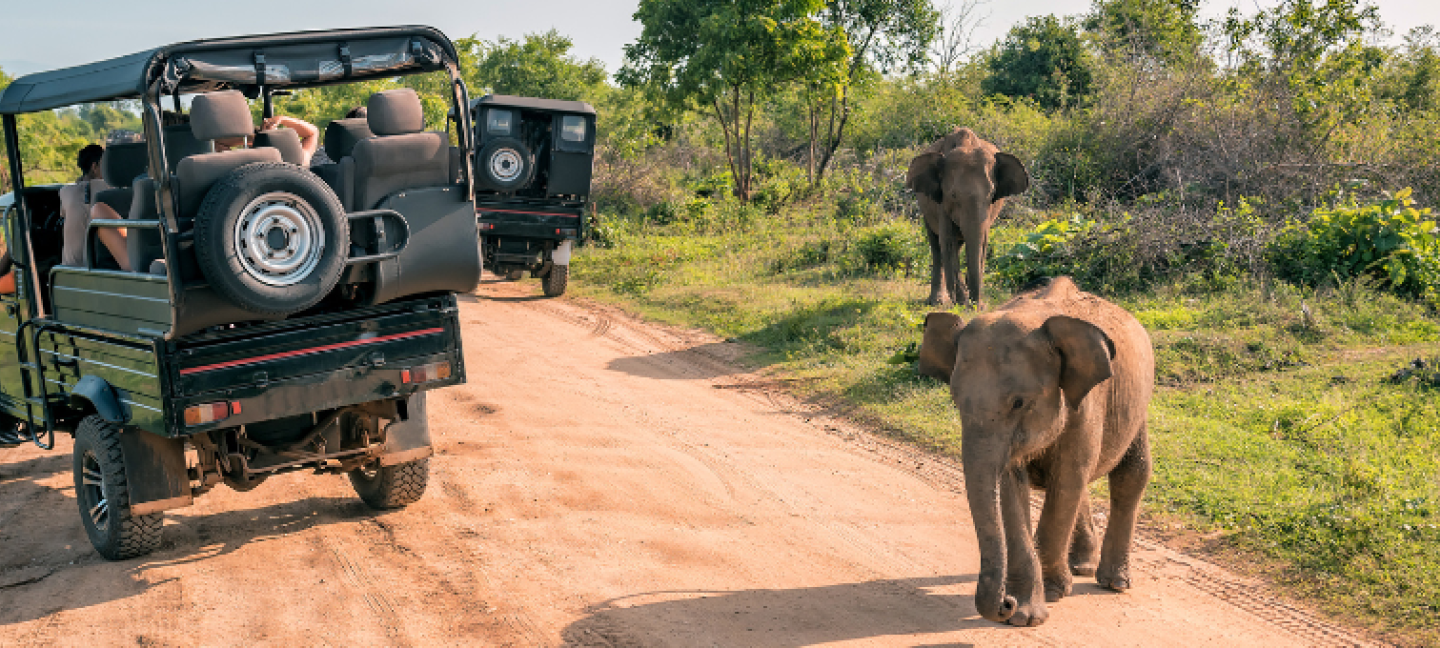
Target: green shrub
1041	252
889	248
1390	241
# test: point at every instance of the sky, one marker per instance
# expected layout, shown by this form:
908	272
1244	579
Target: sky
41	36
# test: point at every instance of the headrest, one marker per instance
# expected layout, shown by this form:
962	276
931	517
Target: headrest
395	112
221	115
342	134
180	143
122	162
285	139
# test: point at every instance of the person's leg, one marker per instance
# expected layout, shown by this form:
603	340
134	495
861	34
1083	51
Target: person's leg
7	283
114	239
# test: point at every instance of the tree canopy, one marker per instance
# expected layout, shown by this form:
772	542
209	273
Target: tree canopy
1043	60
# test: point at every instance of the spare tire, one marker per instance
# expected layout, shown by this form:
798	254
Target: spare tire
272	238
505	164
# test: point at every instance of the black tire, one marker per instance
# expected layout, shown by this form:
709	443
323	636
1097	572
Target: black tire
557	280
280	210
505	164
103	493
390	487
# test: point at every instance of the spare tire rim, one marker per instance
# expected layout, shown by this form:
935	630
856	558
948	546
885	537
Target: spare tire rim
279	239
94	494
506	165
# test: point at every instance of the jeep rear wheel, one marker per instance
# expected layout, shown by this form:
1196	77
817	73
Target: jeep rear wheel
102	490
556	280
272	238
388	487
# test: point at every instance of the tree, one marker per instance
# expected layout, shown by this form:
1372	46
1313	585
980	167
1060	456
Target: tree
720	56
883	36
1158	30
1043	60
956	39
538	66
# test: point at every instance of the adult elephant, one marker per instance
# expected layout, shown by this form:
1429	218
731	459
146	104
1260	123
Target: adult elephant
1052	389
961	182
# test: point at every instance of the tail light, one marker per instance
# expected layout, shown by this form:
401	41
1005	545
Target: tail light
425	373
485	226
210	412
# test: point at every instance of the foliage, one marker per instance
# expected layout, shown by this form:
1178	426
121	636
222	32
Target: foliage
540	65
715	55
1043	60
1389	240
1036	254
1162	30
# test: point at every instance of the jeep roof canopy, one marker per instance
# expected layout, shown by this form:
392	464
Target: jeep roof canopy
275	61
533	103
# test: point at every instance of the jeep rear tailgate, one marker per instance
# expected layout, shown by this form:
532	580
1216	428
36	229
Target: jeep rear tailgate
299	366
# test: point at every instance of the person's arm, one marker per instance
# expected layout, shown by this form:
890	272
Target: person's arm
309	135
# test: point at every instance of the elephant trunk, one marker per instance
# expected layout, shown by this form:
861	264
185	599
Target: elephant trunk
983	473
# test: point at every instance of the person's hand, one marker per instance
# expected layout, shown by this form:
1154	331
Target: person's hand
271	123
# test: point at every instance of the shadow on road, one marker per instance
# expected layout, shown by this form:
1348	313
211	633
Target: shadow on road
781	618
685	364
47	564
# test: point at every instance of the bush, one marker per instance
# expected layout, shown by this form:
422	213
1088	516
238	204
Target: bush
1390	241
893	247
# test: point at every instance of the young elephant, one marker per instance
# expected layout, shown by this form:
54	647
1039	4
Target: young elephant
961	183
1052	389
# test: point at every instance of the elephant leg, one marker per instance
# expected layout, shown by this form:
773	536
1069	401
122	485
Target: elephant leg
937	293
1127	485
1063	500
1084	544
1022	569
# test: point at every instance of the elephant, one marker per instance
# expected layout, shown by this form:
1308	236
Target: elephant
1052	389
961	183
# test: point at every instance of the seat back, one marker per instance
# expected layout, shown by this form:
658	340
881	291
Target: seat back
218	115
341	136
120	164
284	140
181	143
400	156
142	245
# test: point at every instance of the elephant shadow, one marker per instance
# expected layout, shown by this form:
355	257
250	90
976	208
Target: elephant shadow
782	618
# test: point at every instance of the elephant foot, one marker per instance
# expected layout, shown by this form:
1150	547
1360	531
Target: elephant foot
1113	578
938	300
1029	615
1082	569
1057	587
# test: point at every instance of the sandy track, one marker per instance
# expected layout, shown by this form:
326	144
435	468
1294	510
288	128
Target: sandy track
599	482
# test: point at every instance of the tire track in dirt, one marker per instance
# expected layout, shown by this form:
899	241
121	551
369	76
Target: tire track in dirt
834	417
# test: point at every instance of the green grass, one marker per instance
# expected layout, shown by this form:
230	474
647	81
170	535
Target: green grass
1273	424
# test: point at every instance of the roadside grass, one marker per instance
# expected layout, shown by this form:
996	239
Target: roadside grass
1273	426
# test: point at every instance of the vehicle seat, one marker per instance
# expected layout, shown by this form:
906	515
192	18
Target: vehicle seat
121	164
181	143
340	138
143	244
400	155
214	116
286	141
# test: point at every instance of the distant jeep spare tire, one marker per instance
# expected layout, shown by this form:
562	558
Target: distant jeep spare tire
505	164
272	238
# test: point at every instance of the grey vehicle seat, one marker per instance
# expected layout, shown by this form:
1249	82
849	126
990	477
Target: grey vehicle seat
400	155
215	116
284	140
121	164
341	136
181	143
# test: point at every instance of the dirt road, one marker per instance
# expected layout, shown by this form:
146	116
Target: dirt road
599	482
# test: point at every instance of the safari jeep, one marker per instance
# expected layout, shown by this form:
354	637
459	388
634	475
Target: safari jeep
532	184
273	317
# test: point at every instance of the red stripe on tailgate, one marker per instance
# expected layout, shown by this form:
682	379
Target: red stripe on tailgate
311	350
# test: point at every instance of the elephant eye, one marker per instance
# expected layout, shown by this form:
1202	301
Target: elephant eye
1017	403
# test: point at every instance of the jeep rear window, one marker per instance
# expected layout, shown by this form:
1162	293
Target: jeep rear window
498	123
572	129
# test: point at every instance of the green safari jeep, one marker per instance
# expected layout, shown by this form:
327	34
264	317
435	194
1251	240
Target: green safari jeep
265	315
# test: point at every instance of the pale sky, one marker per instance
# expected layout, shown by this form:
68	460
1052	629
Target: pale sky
41	35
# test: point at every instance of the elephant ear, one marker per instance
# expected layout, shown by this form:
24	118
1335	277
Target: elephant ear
938	348
1085	355
1011	178
924	176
